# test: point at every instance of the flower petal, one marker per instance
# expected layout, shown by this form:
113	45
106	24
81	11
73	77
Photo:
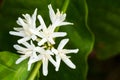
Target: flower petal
68	61
54	51
34	37
17	47
51	40
62	44
17	33
65	23
45	67
71	51
51	13
58	60
34	18
42	41
42	22
18	29
21	59
23	39
59	34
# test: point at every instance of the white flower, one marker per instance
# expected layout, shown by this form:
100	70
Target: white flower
28	28
45	56
58	18
43	37
48	34
61	54
29	51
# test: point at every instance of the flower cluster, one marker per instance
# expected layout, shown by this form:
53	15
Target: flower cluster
37	42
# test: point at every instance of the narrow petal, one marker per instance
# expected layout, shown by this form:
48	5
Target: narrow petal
68	61
62	44
65	23
36	33
21	59
17	47
20	21
34	37
29	66
51	40
39	28
54	51
49	52
52	60
27	45
71	51
62	16
45	67
59	34
51	13
17	33
34	17
42	22
18	29
40	57
33	59
42	41
24	39
27	18
58	60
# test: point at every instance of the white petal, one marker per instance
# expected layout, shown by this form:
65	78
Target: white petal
45	67
17	33
33	58
36	33
59	34
54	51
65	23
52	60
29	66
34	17
71	51
18	29
51	40
21	59
49	52
62	43
58	60
61	16
51	28
42	22
20	21
26	44
51	13
27	19
42	41
68	61
23	39
34	37
17	47
39	28
40	57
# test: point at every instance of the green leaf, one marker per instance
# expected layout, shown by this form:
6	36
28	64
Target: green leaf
11	71
104	20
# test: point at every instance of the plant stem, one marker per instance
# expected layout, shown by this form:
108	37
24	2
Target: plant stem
65	5
35	70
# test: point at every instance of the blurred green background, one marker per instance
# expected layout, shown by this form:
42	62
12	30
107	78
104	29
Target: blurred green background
96	32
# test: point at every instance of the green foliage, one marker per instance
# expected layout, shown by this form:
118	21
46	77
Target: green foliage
104	20
9	70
